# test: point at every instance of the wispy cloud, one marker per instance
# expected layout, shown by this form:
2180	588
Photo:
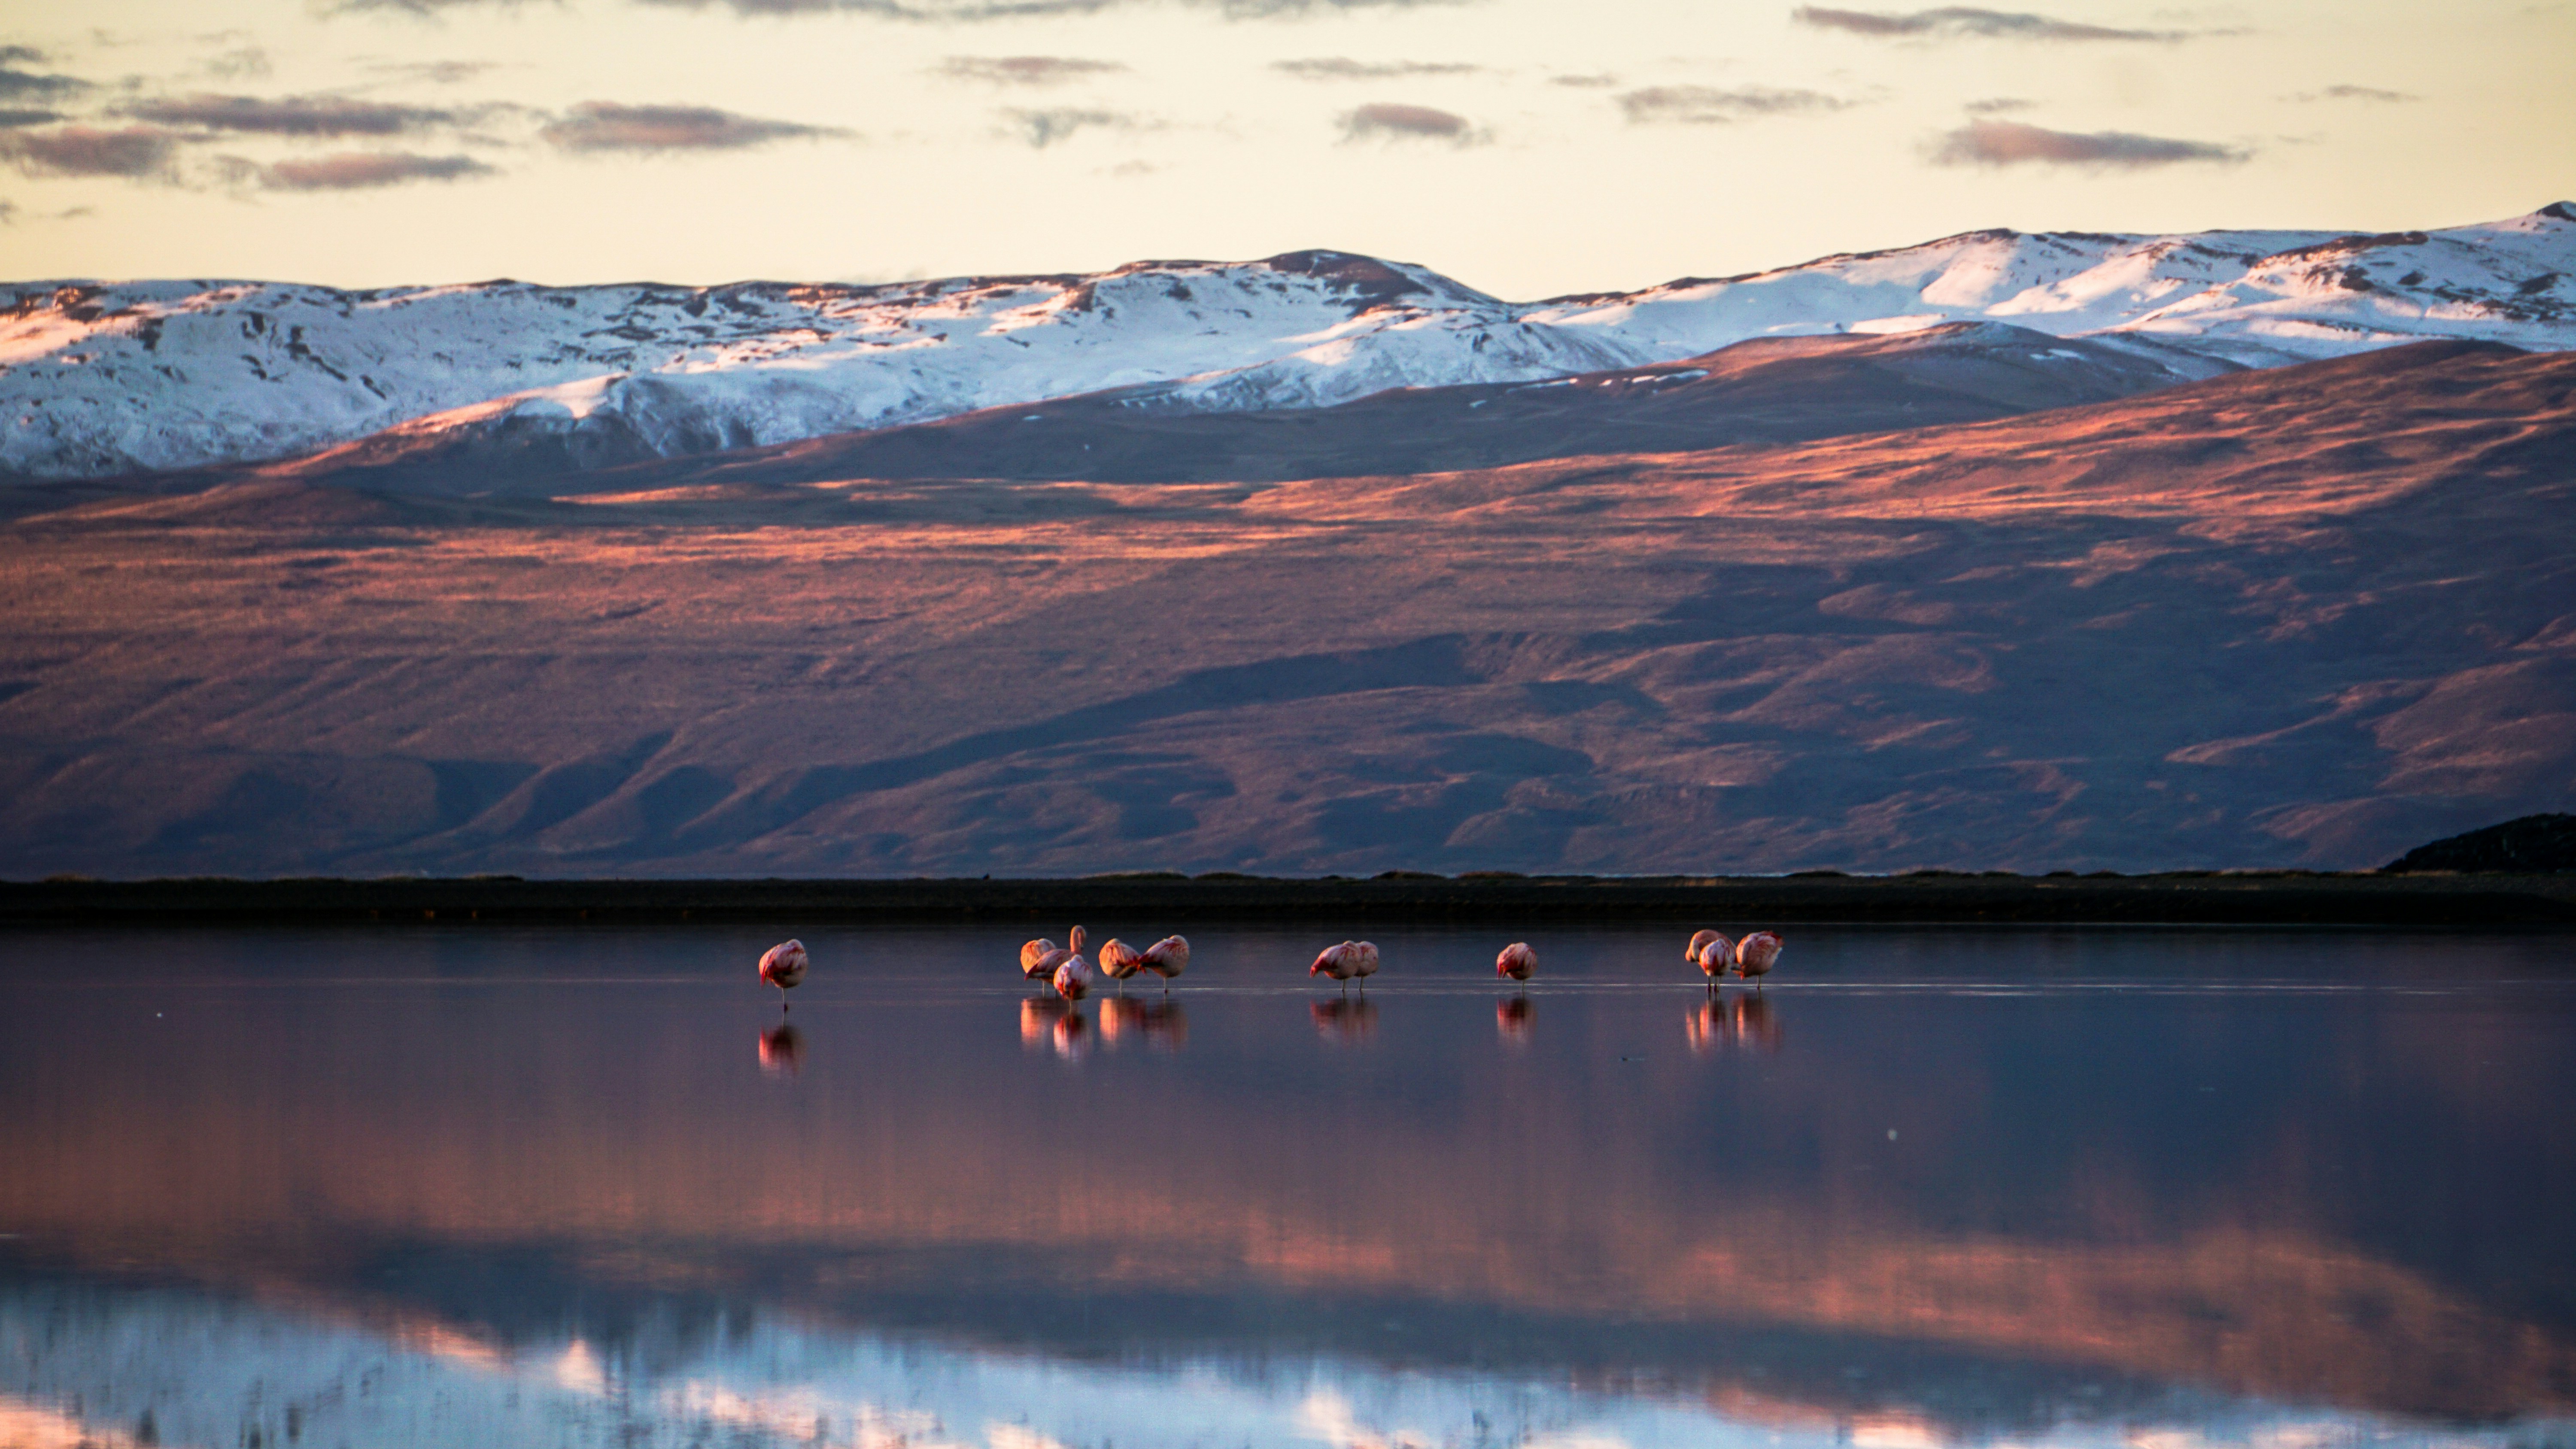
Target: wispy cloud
288	115
1956	22
1599	82
607	127
1343	68
1998	105
1708	106
1027	70
18	84
435	72
2012	143
977	11
137	153
1391	122
361	170
243	62
12	119
1044	128
2355	93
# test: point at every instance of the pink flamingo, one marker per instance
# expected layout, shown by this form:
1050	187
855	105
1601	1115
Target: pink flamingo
782	966
1167	958
1074	975
1034	952
1711	952
1347	962
1118	961
1754	955
1517	961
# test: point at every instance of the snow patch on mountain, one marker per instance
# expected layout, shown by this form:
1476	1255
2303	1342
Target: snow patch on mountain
99	379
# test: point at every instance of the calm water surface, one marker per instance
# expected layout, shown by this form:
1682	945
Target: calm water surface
2145	1188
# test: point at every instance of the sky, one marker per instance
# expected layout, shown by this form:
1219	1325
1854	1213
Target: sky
1529	148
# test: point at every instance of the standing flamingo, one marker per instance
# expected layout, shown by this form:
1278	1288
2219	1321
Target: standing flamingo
1754	955
1073	978
1167	958
1517	961
1712	953
782	966
1118	961
1032	954
1349	961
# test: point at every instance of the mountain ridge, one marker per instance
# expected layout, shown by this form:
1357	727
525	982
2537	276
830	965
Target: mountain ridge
104	379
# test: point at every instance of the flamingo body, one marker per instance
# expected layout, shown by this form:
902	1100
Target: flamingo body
1699	943
1033	953
1348	961
1073	979
1517	961
1167	958
1755	953
1713	954
783	965
1118	961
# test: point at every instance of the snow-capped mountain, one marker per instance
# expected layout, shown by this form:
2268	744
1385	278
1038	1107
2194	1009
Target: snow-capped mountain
99	379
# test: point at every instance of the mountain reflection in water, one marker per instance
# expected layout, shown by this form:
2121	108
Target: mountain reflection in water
2058	1187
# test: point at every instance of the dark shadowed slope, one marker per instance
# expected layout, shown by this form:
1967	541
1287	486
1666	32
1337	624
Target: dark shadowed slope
2312	615
1769	391
2532	843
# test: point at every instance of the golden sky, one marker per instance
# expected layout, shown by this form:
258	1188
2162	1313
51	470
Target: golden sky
1526	147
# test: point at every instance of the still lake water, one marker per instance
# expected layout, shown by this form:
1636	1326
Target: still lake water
480	1186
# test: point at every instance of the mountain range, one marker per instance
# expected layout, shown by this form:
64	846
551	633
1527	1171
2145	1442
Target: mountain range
101	379
2023	552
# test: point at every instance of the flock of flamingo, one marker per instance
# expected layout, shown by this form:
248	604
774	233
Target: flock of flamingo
1072	975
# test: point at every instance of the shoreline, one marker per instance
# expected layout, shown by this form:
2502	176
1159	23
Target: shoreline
2180	898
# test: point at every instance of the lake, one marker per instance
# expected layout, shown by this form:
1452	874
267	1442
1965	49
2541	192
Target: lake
2151	1188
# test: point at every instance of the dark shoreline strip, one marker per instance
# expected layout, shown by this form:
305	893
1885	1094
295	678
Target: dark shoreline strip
2249	898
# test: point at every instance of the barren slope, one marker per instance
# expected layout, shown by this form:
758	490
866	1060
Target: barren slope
2315	614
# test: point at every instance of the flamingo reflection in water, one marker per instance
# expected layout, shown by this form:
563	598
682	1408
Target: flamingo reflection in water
1159	1024
1344	1019
1512	1020
1735	1021
782	966
782	1050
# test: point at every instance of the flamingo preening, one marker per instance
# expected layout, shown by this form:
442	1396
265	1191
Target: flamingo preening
1166	958
1347	962
782	966
1754	955
1517	961
1074	975
1033	954
1118	961
1711	952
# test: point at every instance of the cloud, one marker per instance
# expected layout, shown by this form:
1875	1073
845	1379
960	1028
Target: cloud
2011	143
1027	70
1390	122
1343	68
1707	106
12	119
2355	93
1955	22
1045	128
1587	82
441	72
356	170
237	63
136	152
16	84
1997	105
288	115
603	126
21	55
